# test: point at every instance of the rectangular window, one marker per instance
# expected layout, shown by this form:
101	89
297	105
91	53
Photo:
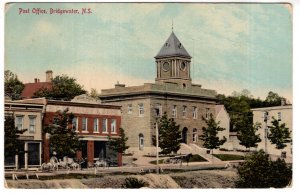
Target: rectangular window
195	112
96	129
113	126
158	110
74	124
207	113
141	109
104	125
129	108
84	124
174	111
195	135
32	124
279	116
19	122
184	111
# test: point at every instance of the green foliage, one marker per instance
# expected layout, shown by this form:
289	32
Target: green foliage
197	158
226	157
258	171
12	145
169	135
247	134
279	134
210	134
63	140
131	182
239	104
63	88
118	144
13	87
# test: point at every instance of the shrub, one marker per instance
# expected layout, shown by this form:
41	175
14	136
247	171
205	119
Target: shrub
258	171
131	182
226	157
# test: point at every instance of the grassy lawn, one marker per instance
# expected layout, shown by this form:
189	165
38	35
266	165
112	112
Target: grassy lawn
194	158
226	157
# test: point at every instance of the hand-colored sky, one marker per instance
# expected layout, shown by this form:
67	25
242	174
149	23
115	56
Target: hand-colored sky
234	46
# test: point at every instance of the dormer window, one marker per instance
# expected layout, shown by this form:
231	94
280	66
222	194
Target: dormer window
180	45
167	44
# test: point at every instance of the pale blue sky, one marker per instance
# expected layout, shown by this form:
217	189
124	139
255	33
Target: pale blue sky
234	46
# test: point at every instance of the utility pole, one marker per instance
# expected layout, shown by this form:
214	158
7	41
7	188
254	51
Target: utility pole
266	130
156	128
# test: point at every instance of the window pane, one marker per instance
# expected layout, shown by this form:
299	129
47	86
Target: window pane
84	123
104	125
31	124
113	125
96	125
74	124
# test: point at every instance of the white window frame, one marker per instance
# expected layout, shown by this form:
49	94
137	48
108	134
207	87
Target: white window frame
159	108
19	125
32	117
75	119
207	113
86	122
96	125
195	135
141	110
279	115
174	111
104	124
195	112
129	107
184	111
113	126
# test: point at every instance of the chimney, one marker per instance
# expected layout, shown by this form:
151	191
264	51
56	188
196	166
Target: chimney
49	75
118	85
35	80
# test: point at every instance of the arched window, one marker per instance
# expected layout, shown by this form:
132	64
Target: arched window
141	141
195	135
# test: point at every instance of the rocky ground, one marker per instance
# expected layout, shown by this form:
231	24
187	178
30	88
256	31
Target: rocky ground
191	179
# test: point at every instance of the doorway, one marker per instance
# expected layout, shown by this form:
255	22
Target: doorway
141	141
184	135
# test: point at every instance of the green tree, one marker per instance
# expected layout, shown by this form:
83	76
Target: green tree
13	87
63	139
63	87
94	94
258	171
169	135
247	134
210	134
279	134
118	144
12	144
273	99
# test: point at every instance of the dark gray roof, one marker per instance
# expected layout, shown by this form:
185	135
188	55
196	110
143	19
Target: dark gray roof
172	47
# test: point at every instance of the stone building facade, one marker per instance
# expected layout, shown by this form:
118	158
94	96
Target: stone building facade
172	93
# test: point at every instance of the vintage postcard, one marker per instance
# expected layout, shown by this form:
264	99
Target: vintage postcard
148	95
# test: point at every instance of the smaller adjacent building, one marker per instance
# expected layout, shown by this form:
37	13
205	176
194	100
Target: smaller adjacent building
264	116
27	116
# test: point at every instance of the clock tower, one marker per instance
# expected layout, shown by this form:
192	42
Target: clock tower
173	63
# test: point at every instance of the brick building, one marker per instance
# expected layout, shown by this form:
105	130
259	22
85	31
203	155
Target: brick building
93	122
31	88
173	93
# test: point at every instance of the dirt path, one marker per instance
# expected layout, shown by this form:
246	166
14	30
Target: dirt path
191	179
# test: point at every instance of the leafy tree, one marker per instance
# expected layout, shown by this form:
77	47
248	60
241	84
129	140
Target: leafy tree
94	94
279	134
258	171
169	135
210	134
131	182
273	99
63	87
13	87
12	144
118	144
247	134
63	139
